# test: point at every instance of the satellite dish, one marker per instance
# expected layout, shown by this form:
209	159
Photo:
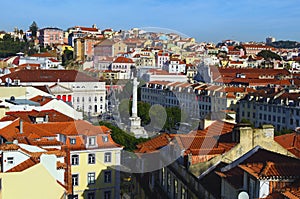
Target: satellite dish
243	195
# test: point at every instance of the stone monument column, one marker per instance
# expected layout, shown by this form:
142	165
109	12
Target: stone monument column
134	97
135	121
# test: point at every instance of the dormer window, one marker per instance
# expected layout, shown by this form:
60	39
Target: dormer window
105	138
92	141
72	141
10	160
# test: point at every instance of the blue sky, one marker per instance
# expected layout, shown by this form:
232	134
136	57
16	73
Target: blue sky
209	20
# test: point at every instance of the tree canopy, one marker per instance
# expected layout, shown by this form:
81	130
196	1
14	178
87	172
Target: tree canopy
33	28
67	57
10	46
267	54
285	44
121	137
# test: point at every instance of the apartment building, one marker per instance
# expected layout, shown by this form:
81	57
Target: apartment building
277	107
50	36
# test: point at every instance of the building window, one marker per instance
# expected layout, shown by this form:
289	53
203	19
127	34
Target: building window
75	197
90	99
75	179
91	178
105	138
107	157
107	194
95	99
175	188
82	99
107	176
72	141
101	99
75	160
78	99
169	182
183	193
92	141
91	158
91	195
10	160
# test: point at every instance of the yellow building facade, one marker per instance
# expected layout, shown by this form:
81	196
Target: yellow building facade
92	173
32	183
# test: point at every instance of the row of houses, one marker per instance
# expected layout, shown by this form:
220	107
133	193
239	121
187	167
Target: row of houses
259	98
45	141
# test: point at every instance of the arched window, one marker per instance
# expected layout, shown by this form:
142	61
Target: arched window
95	98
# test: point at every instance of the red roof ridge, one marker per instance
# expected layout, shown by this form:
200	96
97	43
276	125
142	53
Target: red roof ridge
24	165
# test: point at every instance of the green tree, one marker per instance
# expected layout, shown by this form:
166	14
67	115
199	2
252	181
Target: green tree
10	46
267	54
67	57
33	28
121	137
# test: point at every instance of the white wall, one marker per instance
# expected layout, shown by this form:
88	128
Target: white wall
18	156
264	189
49	162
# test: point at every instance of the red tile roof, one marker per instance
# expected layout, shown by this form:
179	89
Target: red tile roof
154	144
41	99
9	147
261	164
24	165
79	130
30	116
291	142
87	29
50	76
123	60
45	54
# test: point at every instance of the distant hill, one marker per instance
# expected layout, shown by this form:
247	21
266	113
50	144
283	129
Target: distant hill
285	44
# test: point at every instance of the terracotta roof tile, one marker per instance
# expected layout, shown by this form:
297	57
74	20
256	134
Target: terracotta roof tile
291	142
41	99
9	147
123	60
30	116
50	76
154	144
24	165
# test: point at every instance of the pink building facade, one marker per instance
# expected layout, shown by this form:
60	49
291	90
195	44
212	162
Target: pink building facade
50	36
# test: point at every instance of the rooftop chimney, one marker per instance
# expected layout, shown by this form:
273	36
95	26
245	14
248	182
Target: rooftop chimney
47	118
21	126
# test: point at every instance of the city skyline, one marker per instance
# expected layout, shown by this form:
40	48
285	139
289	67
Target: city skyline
211	21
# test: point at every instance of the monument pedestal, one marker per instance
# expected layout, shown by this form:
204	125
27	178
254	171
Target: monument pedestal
136	128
